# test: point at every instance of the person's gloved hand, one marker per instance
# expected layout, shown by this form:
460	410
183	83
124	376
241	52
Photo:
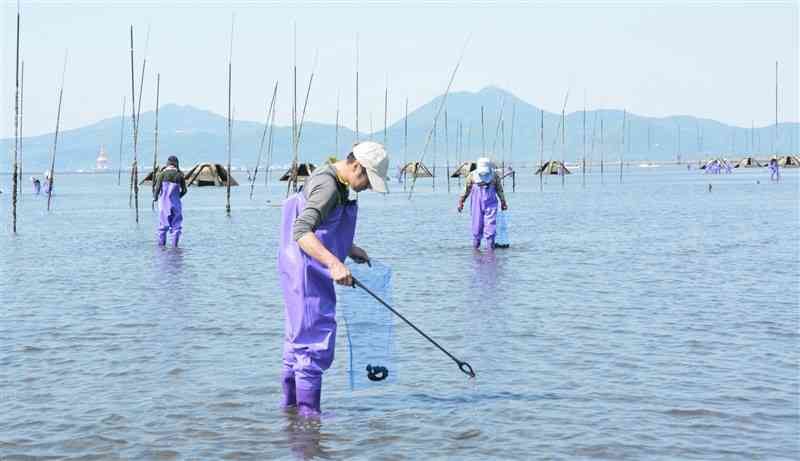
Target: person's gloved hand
460	206
504	206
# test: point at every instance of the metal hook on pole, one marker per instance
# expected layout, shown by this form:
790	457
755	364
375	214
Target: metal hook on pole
463	366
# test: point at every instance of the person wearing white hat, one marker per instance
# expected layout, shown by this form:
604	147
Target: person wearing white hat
317	233
485	188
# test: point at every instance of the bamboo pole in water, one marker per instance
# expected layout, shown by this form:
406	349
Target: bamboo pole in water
563	145
585	145
446	153
624	118
155	147
483	134
269	143
121	131
405	146
357	133
435	148
267	126
511	149
230	124
386	112
336	136
541	149
602	151
21	137
775	137
135	120
55	138
14	174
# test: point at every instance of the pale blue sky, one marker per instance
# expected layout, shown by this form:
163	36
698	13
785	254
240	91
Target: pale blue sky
712	59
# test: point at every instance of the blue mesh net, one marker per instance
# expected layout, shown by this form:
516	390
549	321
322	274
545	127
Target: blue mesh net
501	239
369	326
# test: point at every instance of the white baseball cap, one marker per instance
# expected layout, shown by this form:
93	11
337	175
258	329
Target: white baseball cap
373	157
484	169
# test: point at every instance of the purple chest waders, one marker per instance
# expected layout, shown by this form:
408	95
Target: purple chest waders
37	188
483	207
170	216
310	303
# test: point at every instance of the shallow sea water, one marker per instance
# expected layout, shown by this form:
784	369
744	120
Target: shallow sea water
648	320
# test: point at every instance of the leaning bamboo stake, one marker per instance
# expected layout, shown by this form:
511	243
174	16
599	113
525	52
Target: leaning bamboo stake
438	112
55	138
263	137
155	147
121	132
16	140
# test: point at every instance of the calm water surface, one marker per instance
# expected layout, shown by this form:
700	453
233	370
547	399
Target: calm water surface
652	320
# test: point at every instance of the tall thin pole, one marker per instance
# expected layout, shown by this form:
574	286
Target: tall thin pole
541	149
775	137
134	118
563	145
511	148
21	137
267	126
483	134
624	118
155	146
583	166
602	151
357	133
230	124
386	113
121	133
405	146
55	138
336	136
14	174
435	148
446	153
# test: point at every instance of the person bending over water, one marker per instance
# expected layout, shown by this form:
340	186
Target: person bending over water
317	233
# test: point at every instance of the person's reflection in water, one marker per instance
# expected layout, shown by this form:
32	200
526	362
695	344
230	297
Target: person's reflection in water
485	271
169	266
304	436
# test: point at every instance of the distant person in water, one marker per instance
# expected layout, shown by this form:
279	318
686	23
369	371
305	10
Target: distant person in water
169	189
774	170
37	185
484	187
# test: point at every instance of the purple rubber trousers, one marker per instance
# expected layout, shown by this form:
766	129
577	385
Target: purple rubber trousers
310	303
483	207
170	216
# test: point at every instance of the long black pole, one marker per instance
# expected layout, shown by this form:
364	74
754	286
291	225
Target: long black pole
463	366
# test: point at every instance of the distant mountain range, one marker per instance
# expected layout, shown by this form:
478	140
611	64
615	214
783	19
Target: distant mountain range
197	135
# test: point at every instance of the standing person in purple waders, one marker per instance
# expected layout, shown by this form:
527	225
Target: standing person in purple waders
317	233
483	187
170	188
774	170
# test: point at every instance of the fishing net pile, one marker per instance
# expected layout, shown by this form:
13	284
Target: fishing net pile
369	326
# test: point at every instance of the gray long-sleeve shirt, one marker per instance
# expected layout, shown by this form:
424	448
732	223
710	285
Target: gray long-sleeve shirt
323	192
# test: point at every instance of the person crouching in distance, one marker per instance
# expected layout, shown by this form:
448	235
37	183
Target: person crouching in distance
317	231
483	187
169	189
